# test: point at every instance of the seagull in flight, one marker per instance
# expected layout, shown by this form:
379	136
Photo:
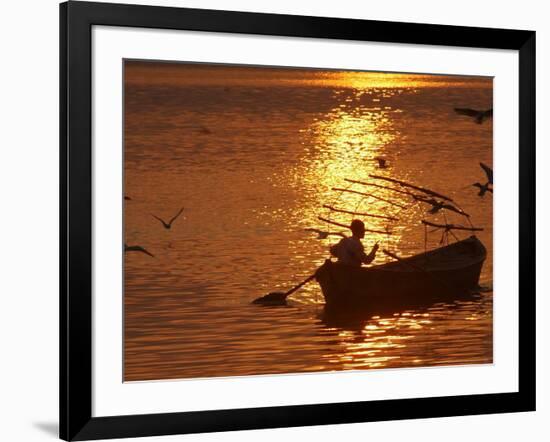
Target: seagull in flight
128	248
438	205
382	162
478	116
487	187
321	234
168	225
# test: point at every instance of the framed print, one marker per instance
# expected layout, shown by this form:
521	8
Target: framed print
272	220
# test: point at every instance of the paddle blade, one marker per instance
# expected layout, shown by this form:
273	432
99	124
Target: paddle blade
273	298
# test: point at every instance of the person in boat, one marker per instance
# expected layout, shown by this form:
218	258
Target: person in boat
350	250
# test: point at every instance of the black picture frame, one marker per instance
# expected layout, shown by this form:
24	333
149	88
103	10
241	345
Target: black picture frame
76	21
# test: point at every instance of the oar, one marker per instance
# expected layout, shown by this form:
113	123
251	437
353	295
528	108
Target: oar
279	298
418	268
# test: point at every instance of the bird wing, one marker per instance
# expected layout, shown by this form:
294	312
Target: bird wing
141	249
128	248
160	219
466	111
488	172
175	216
430	201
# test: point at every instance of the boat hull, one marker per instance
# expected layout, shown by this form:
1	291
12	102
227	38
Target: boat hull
441	275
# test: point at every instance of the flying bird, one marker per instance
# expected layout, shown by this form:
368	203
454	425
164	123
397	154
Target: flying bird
487	187
488	171
168	225
128	248
483	188
321	234
438	205
478	116
382	162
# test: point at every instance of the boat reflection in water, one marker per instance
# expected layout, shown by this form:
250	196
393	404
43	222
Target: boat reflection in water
411	338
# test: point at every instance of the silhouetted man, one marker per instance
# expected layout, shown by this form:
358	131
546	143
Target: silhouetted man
350	250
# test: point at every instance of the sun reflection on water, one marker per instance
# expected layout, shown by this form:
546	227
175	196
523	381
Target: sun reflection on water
378	341
345	144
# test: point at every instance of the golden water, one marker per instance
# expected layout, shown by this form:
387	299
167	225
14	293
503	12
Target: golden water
253	154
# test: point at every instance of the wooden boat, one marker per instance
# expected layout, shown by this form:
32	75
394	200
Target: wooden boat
441	275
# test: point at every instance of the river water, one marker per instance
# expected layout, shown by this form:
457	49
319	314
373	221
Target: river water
252	155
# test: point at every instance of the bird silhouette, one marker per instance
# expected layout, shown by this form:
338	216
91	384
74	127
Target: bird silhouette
484	188
438	205
382	162
128	248
168	225
488	171
478	116
321	234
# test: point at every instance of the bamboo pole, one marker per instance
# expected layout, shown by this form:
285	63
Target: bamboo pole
412	186
405	192
372	215
334	223
451	226
340	189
